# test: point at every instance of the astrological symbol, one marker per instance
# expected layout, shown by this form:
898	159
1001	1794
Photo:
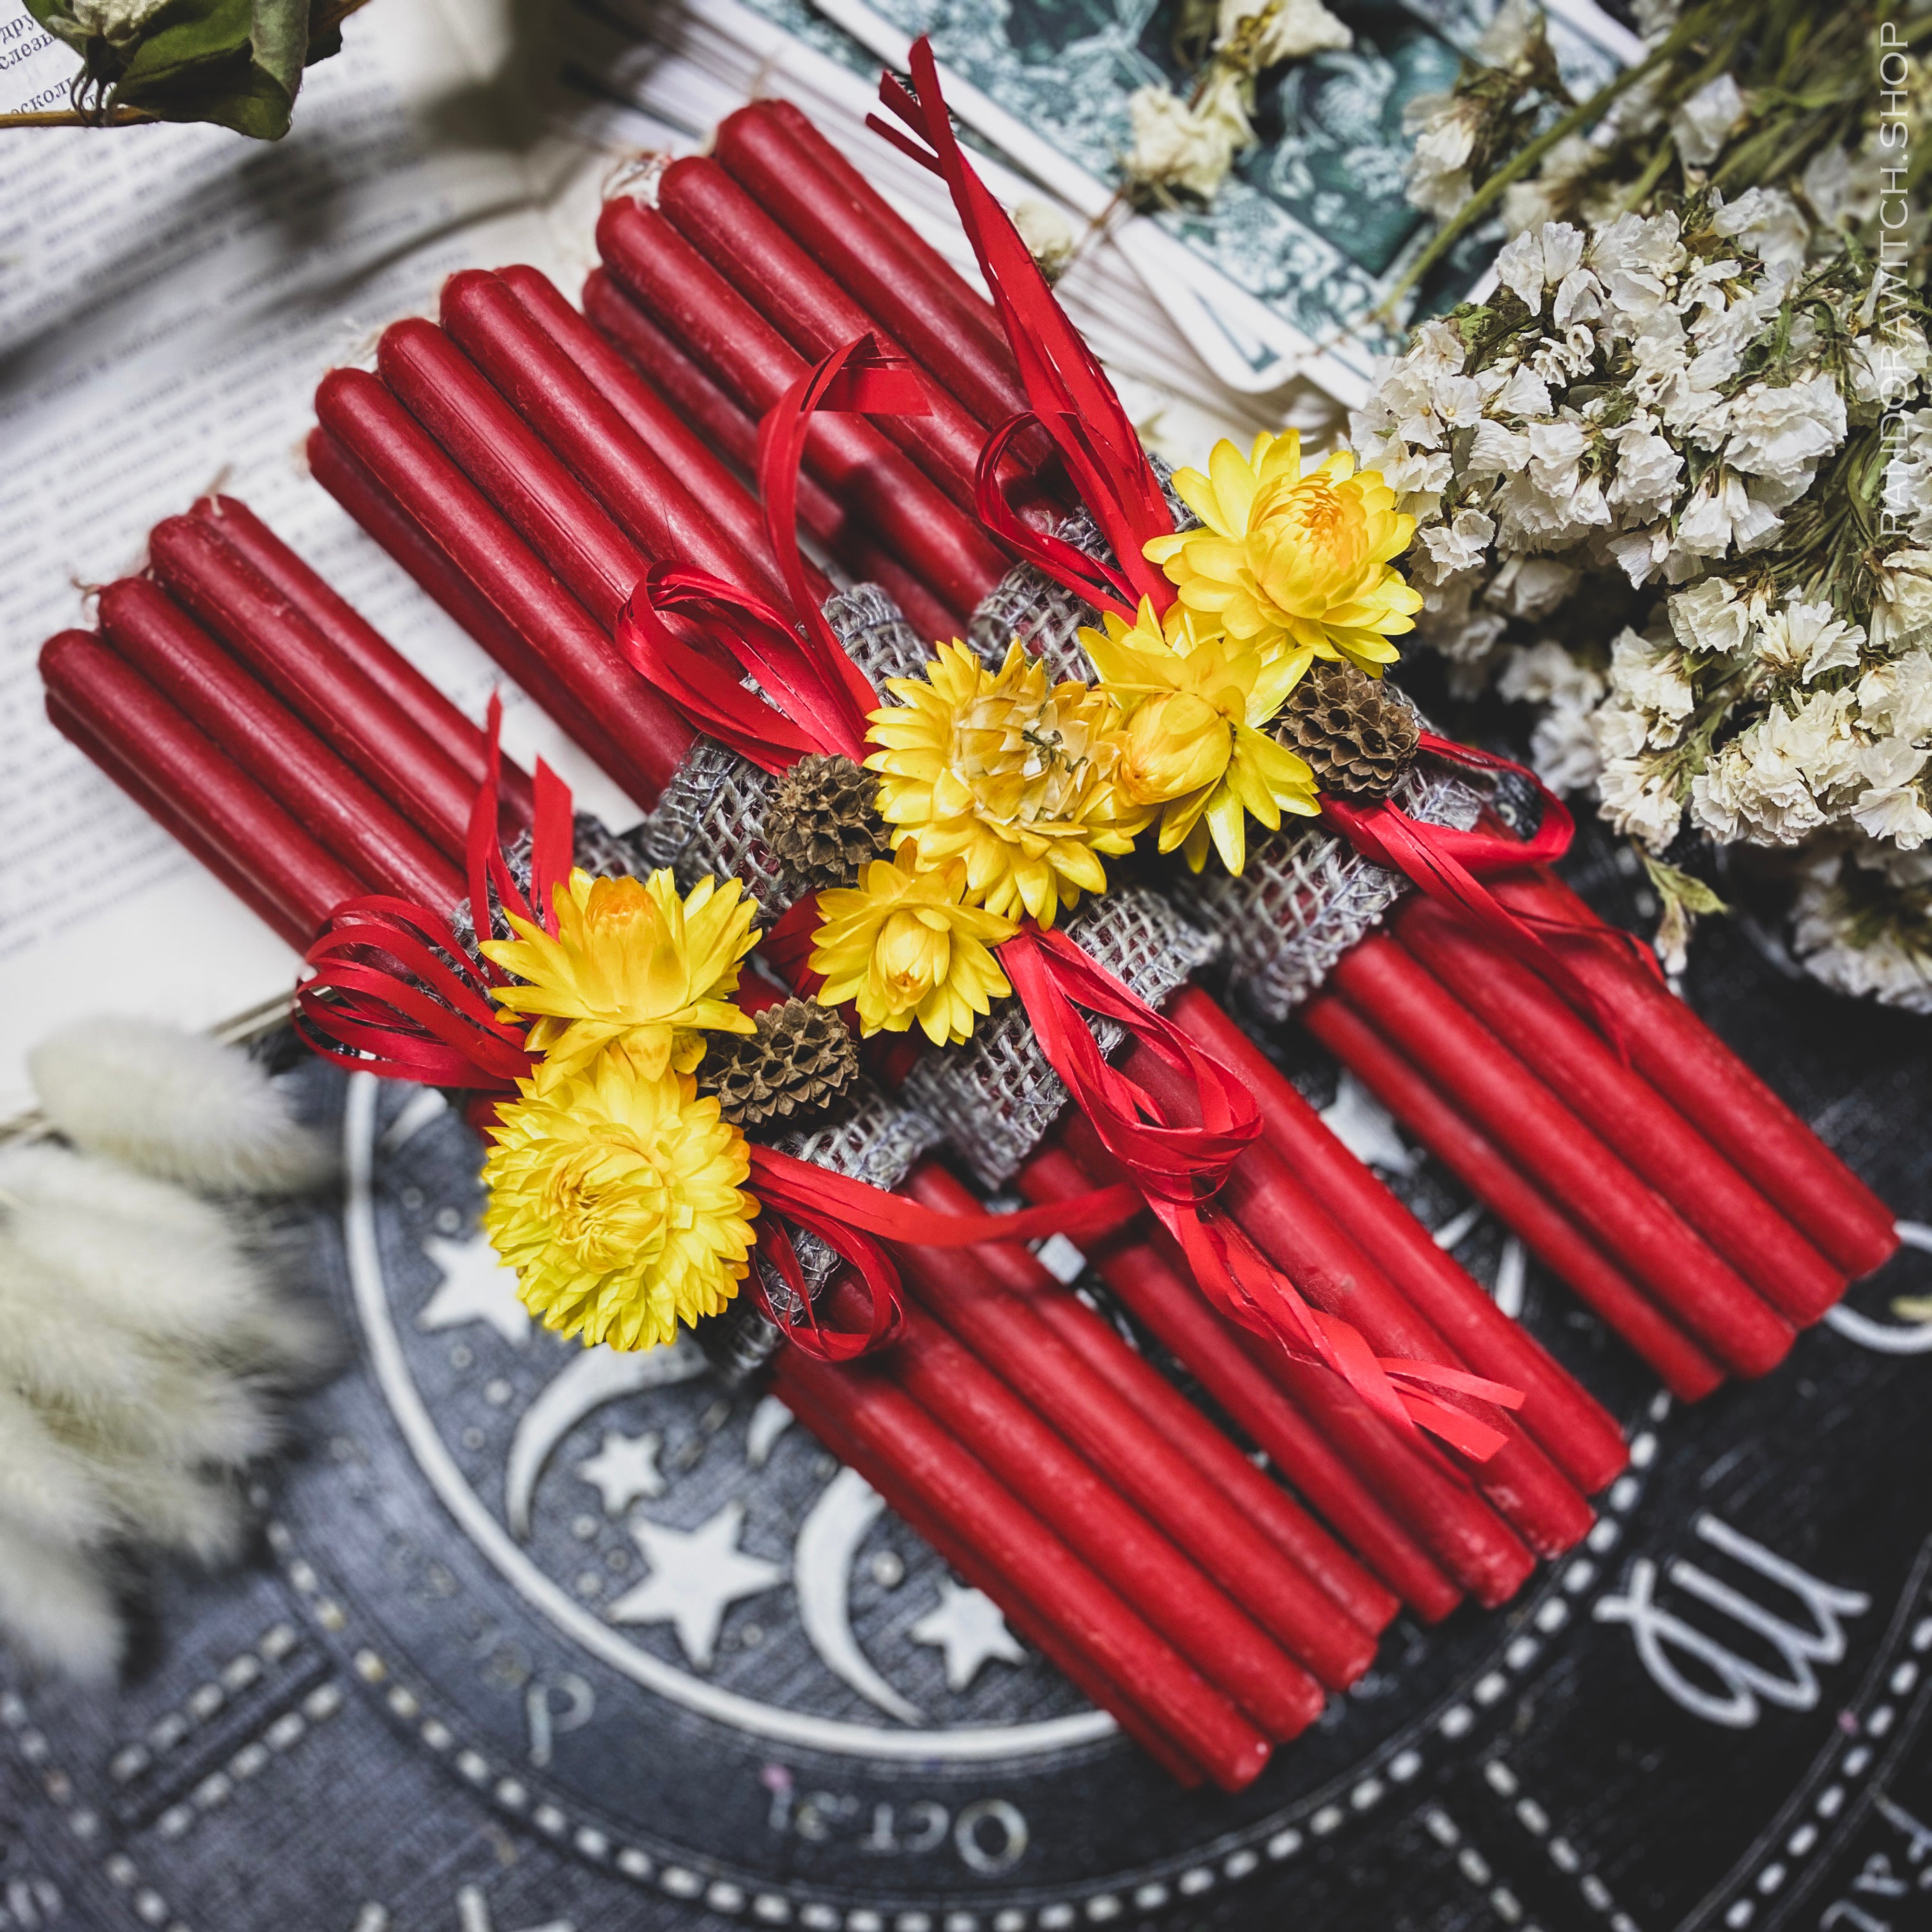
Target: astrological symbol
1918	1837
1658	1631
1877	1877
548	1721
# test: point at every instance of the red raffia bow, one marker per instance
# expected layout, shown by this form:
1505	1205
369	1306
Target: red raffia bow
810	697
1180	1166
1073	400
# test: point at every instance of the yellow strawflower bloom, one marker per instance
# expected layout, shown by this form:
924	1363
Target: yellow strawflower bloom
1294	563
631	962
1191	746
1012	775
904	947
618	1197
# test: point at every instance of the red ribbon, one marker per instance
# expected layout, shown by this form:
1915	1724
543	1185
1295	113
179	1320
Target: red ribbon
1179	1166
1072	400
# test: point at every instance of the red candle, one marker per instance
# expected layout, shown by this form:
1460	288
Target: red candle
716	325
1007	1336
652	420
345	814
869	1408
364	647
861	239
508	462
1160	1407
345	708
1481	1165
1471	1068
810	310
1572	1059
1687	1062
1000	1427
718	418
1026	1618
648	736
1573	1429
385	520
175	822
100	702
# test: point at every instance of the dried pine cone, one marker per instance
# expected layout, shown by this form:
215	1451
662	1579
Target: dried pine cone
802	1058
823	823
1357	736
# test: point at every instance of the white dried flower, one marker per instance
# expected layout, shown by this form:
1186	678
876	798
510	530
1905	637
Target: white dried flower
1647	683
1895	698
1903	613
1639	801
1836	935
1539	261
1809	638
1768	222
1710	617
1528	204
1460	544
1892	806
1443	127
1753	789
1722	518
1288	29
1782	434
1704	123
1647	470
1184	149
115	20
1049	236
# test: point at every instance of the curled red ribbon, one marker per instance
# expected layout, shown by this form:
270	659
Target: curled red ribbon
1073	400
1179	1166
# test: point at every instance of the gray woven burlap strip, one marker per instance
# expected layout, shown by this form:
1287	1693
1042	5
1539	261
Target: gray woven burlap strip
1304	897
872	1139
711	819
997	1096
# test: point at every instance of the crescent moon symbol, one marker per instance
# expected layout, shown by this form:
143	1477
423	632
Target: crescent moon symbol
595	1377
822	1572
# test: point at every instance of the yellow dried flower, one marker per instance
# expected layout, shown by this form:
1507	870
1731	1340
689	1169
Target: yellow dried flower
1009	773
618	1197
1294	563
904	947
1190	746
631	962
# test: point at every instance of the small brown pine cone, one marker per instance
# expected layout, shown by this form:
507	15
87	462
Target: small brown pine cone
1357	736
823	823
802	1058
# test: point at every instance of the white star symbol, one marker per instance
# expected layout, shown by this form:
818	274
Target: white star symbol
969	1628
1367	1128
624	1469
695	1575
476	1287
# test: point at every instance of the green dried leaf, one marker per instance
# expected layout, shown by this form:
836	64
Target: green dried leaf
1682	889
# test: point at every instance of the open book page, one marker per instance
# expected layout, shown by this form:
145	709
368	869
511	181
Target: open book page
170	297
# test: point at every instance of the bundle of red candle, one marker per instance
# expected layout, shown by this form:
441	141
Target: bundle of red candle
532	517
1130	1539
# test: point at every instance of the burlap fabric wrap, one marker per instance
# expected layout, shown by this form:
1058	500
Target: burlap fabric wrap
1305	897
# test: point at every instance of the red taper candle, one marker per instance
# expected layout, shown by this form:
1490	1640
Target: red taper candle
648	736
343	706
1572	1059
676	286
873	252
385	520
1006	1333
861	1401
1687	1062
1470	1067
695	464
1603	1287
1570	1427
1151	1404
486	319
1026	1618
344	814
364	646
719	418
1327	1464
811	311
291	879
1179	1600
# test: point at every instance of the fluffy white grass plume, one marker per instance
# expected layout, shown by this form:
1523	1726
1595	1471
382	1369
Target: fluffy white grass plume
176	1104
146	1340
